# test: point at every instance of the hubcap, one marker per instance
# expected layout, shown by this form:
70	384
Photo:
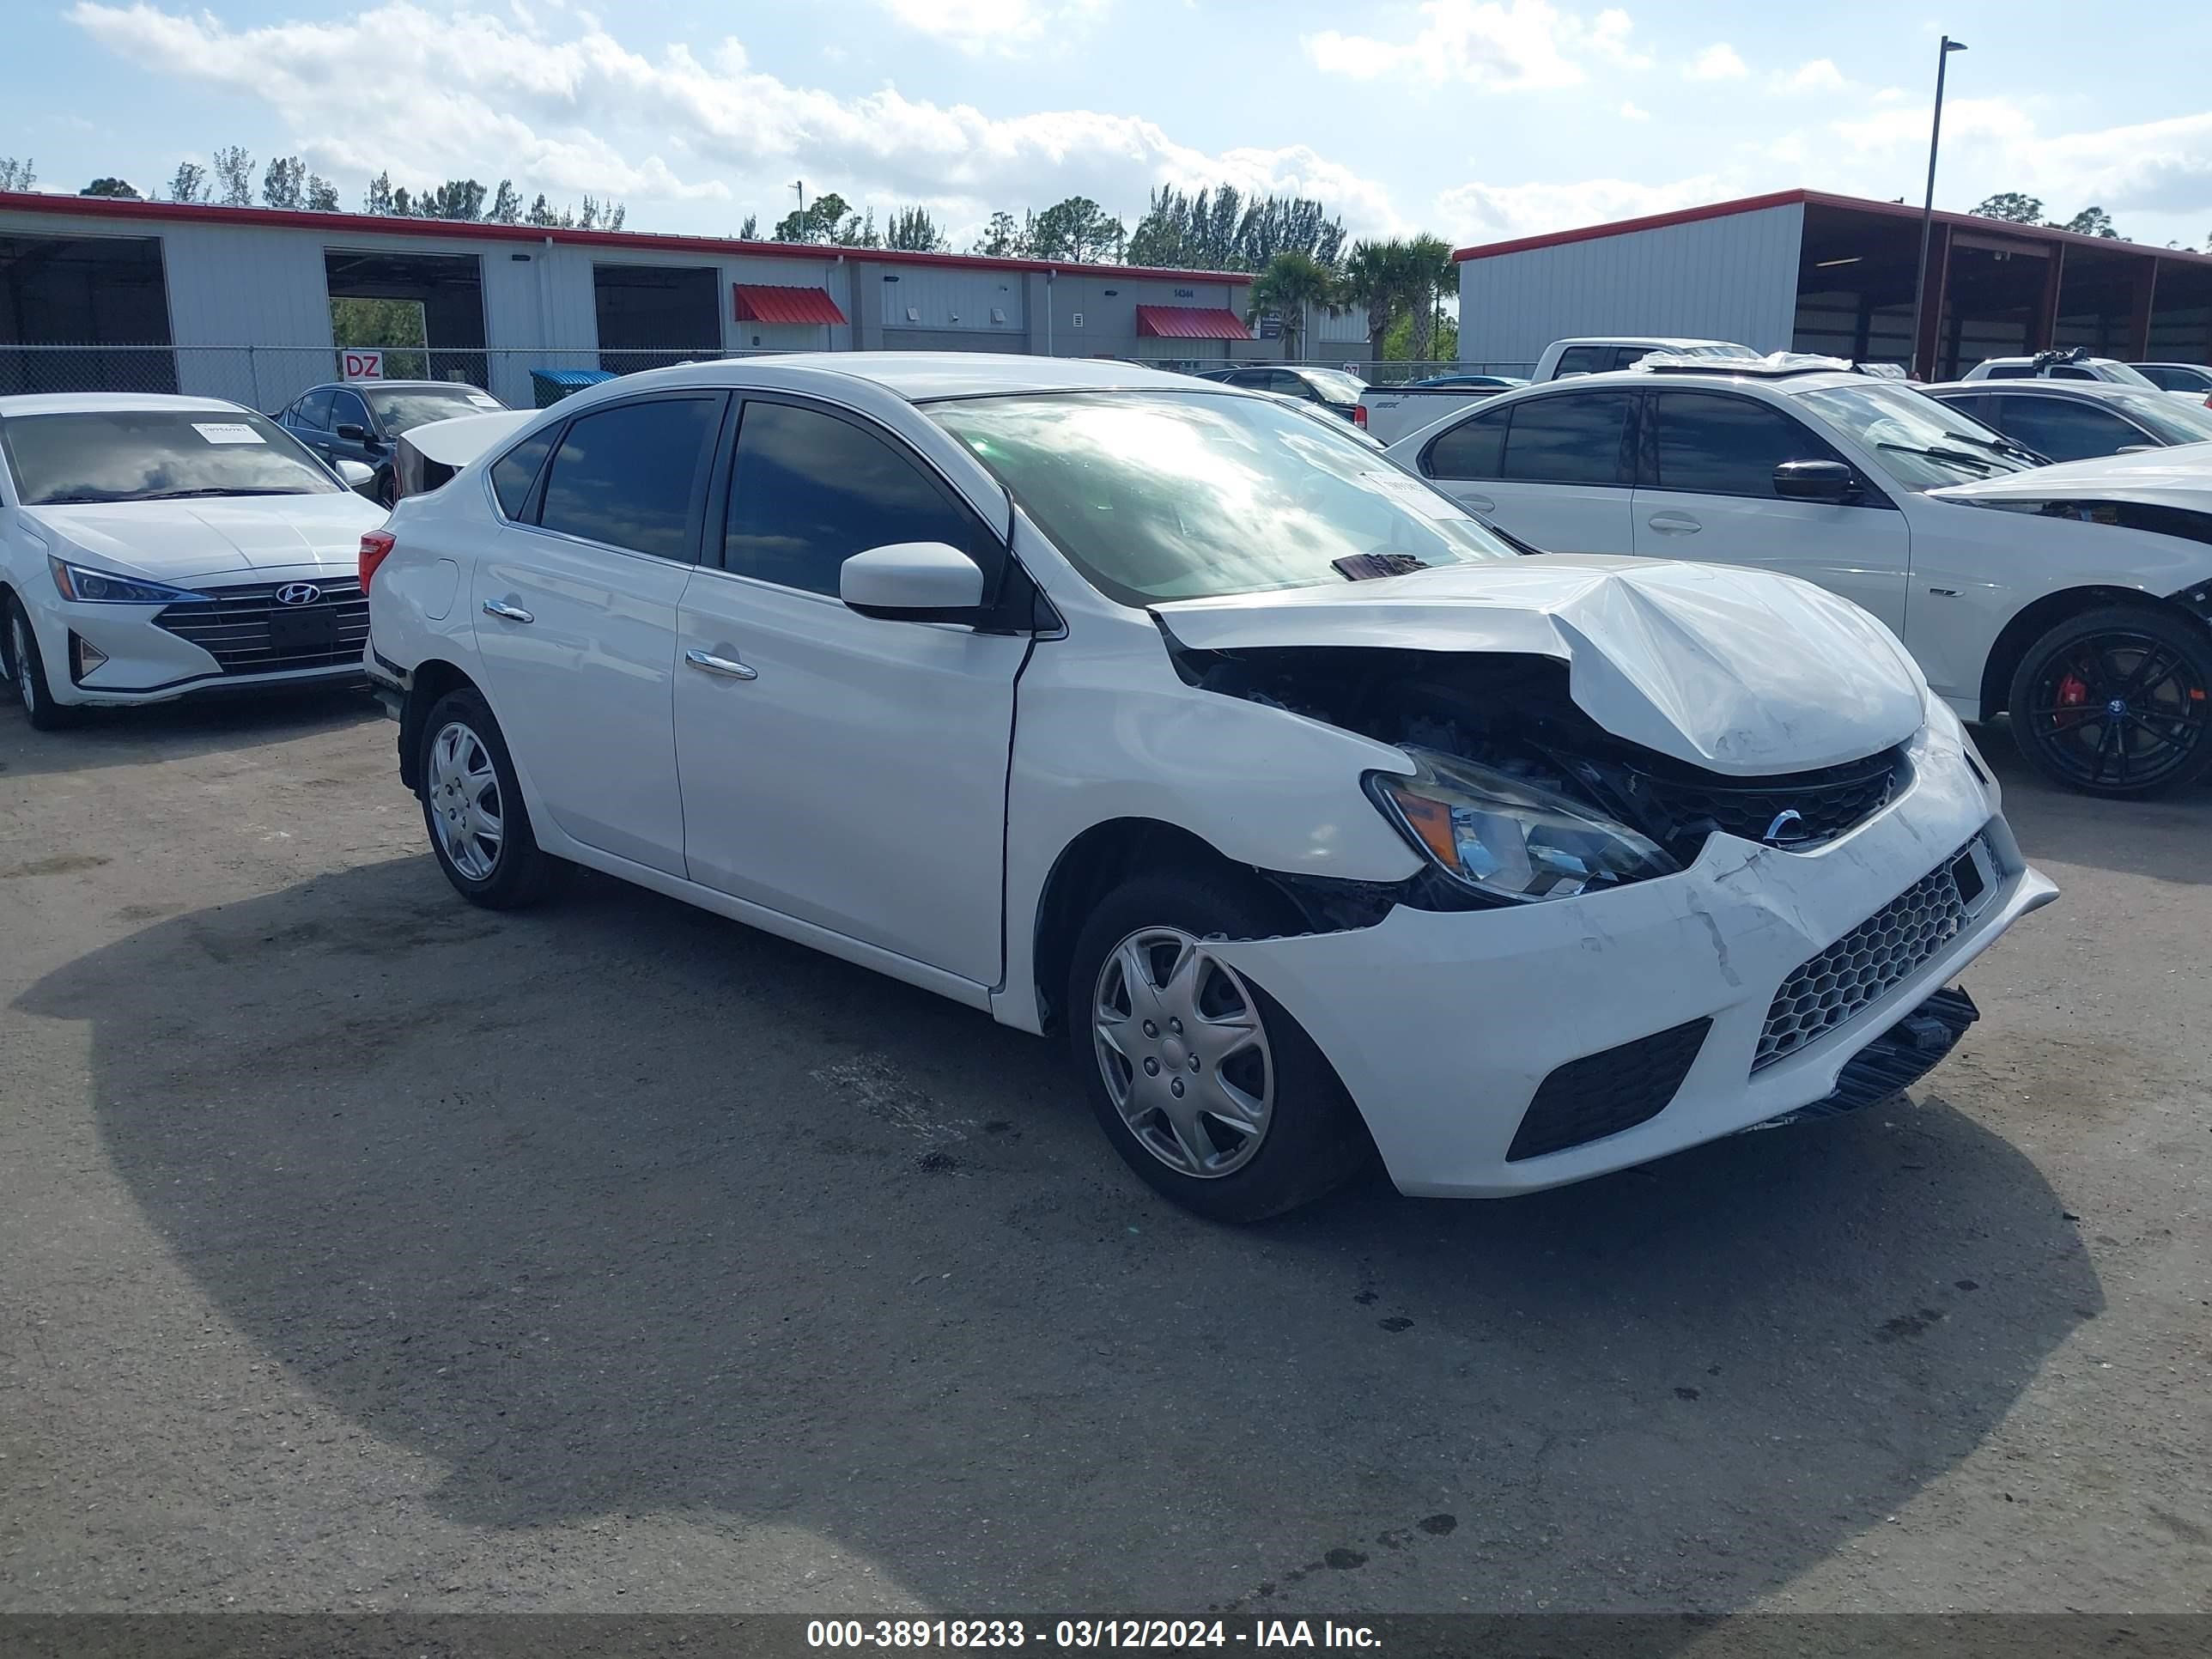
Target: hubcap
1182	1052
27	687
2121	710
464	802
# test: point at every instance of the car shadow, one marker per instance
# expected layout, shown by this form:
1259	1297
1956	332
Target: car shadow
175	730
2162	838
614	1207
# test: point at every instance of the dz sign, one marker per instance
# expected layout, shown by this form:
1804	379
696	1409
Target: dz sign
355	365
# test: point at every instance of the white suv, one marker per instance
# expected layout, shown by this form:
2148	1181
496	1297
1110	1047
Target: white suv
1825	473
1315	817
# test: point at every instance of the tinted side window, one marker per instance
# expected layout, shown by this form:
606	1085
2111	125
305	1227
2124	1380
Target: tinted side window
629	476
2010	372
347	406
514	473
2063	430
1982	409
1583	360
1569	440
1472	449
1629	356
809	490
1728	446
2063	373
314	411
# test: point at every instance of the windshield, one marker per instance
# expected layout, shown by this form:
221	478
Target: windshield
151	455
2114	374
1923	444
1336	384
402	409
2172	419
1181	496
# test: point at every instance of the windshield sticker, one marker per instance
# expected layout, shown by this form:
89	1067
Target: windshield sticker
228	432
1411	493
483	402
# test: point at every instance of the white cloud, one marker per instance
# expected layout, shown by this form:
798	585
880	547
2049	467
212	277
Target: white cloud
1520	45
576	110
1493	213
1718	62
1634	112
1820	74
993	25
1890	96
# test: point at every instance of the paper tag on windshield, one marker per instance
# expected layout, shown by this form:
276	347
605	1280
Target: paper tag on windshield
1411	492
483	402
228	432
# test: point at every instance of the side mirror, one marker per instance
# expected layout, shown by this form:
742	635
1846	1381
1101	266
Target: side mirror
350	431
357	477
1816	481
913	581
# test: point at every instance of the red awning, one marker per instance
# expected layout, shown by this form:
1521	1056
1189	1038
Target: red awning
762	302
1190	323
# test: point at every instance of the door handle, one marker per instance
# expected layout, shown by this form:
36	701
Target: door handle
729	667
507	612
1674	523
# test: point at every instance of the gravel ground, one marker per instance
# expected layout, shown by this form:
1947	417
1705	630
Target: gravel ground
361	1250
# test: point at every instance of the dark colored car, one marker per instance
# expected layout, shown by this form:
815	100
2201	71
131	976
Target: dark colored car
2078	420
360	420
1332	388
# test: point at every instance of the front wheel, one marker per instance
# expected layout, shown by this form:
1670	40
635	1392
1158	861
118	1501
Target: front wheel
27	671
2114	703
472	806
1206	1087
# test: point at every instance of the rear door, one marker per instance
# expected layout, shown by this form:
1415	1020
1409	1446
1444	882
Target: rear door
575	617
812	738
1705	491
1555	470
309	420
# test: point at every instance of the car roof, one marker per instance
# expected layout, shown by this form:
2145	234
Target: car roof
2041	386
460	386
110	403
913	376
1719	375
1638	340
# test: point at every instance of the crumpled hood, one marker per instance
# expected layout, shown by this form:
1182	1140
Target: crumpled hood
2179	476
1741	672
187	541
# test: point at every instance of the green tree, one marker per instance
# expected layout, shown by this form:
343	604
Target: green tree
1001	238
749	231
1077	229
1397	345
1375	276
189	183
506	205
322	194
1221	230
403	202
2012	207
233	173
387	322
116	188
2093	222
377	201
17	175
913	230
1291	286
818	222
1428	276
457	199
284	183
541	213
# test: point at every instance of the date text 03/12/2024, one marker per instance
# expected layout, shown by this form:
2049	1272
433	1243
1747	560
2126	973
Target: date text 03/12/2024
1083	1634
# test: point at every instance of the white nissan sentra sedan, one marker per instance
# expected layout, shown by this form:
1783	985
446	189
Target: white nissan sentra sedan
1319	822
152	547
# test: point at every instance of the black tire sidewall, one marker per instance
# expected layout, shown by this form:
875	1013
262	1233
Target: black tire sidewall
520	875
1315	1141
44	713
2194	640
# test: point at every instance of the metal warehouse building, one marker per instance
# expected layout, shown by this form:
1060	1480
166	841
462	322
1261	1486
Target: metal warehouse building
235	302
1801	270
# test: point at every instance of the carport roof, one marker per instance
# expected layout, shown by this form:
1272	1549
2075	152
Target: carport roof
1820	200
1191	323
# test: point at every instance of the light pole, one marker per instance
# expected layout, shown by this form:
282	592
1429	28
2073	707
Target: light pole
1928	208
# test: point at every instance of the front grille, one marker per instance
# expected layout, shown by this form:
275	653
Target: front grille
247	632
1602	1094
1857	969
1801	811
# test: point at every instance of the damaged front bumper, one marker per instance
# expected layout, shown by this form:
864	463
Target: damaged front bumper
1493	1052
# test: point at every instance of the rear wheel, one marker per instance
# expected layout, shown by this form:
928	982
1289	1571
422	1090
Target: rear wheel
472	806
2118	702
27	672
1206	1087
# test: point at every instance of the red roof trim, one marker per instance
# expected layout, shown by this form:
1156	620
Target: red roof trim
1190	323
1817	198
767	302
104	206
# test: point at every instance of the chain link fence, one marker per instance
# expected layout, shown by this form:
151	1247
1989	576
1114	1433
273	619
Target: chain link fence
267	378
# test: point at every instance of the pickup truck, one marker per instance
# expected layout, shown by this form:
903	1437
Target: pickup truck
1389	412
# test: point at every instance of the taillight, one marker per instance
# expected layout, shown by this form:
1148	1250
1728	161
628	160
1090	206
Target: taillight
1359	415
376	547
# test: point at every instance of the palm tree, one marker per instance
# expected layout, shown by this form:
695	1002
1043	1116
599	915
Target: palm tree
1291	282
1428	274
1375	276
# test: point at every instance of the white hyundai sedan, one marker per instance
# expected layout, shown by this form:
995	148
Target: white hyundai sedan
1319	823
151	547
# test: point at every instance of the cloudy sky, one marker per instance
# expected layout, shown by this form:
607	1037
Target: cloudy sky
1476	121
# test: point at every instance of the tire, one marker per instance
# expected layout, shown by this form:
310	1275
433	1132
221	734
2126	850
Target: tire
1310	1138
2151	669
386	488
465	769
26	674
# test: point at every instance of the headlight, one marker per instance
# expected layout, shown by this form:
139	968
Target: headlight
1509	838
105	587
